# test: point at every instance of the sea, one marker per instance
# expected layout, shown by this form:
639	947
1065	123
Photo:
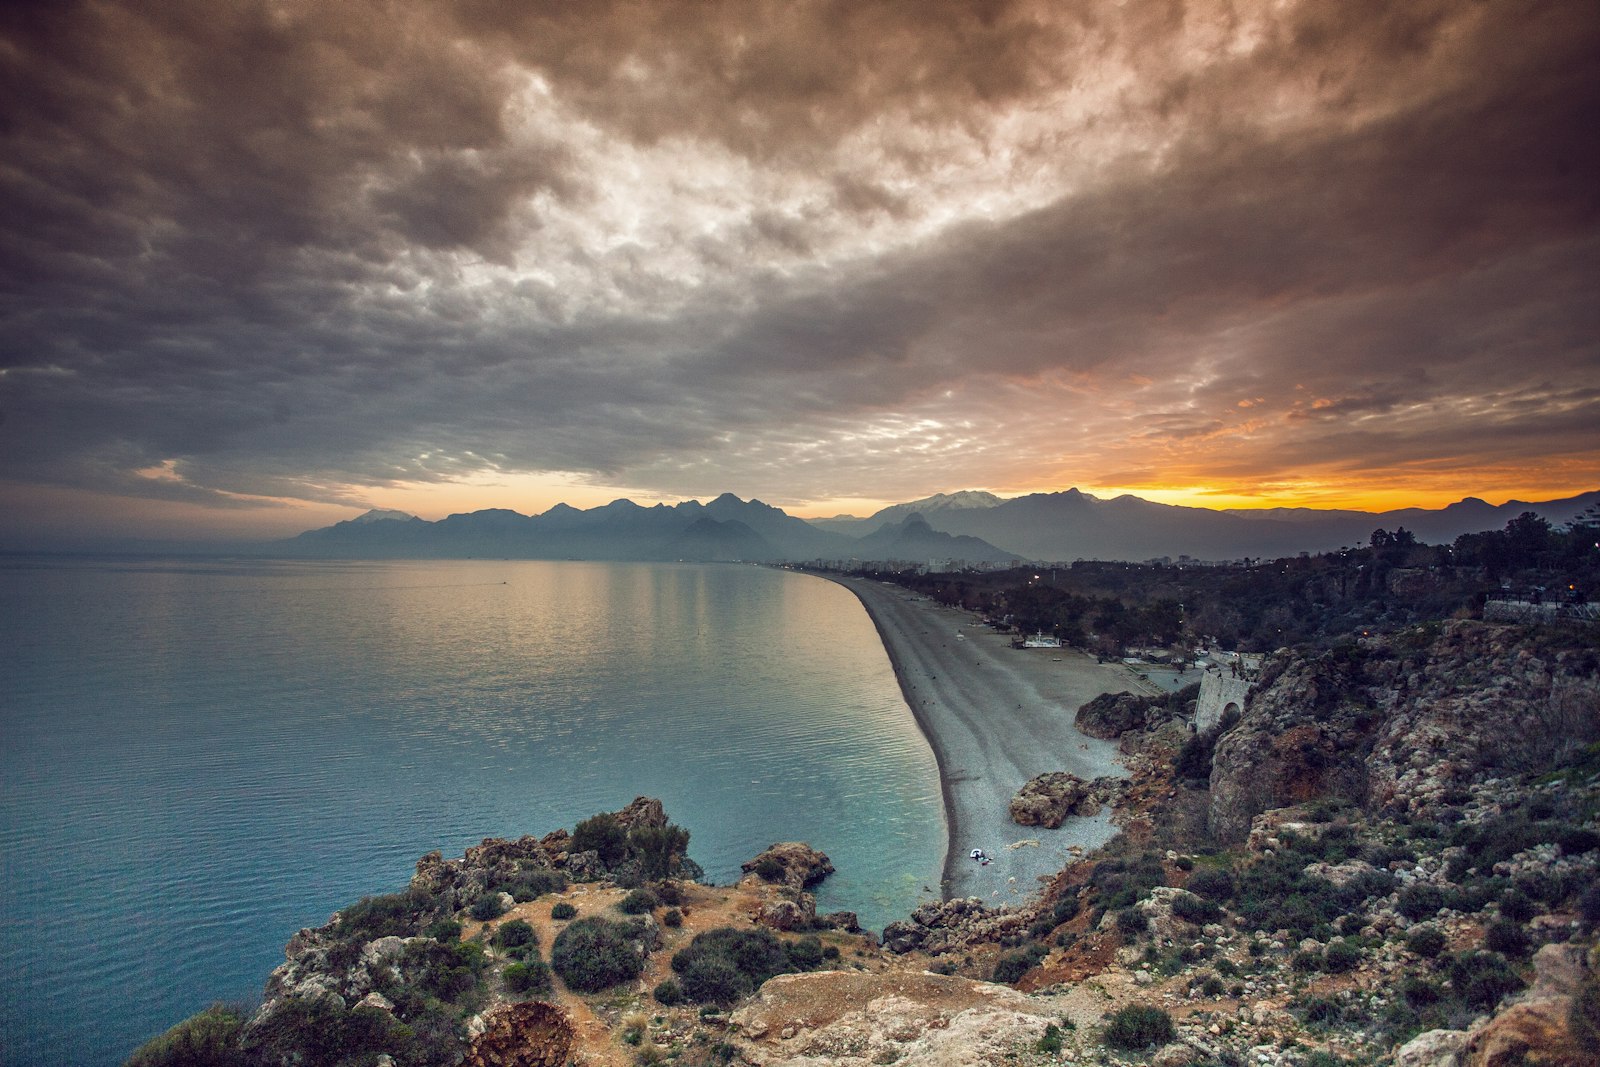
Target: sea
200	757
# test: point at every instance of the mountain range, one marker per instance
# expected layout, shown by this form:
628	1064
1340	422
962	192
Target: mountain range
969	527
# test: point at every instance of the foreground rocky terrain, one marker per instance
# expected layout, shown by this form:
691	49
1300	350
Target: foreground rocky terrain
1389	857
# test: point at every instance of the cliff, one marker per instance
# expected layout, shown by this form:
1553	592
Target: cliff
1390	857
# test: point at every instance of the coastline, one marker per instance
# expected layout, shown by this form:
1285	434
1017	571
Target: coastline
995	717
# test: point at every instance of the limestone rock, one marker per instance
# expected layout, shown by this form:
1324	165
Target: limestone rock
802	866
1399	722
1435	1048
1533	1032
944	926
848	1019
786	914
1110	715
1052	797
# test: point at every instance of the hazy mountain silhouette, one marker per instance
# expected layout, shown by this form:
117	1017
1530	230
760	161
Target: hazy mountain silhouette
1074	525
970	527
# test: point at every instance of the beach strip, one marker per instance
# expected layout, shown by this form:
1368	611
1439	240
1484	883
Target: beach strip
995	717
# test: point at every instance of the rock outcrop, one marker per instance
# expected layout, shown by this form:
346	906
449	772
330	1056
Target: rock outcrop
944	926
1397	722
791	863
854	1020
1110	715
1053	797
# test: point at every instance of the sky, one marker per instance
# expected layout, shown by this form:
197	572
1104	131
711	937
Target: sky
265	265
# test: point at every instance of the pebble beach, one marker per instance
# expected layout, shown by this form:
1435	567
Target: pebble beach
995	717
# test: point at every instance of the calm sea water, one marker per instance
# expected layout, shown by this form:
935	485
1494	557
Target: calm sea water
199	758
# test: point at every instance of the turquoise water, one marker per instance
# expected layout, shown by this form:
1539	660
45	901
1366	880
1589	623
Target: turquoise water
199	758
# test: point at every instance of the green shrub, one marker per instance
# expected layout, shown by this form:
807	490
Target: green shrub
1508	938
1583	1018
1341	956
770	869
516	938
1193	762
1517	906
805	953
1122	882
1419	992
669	892
444	930
1139	1026
1307	962
1013	965
658	849
720	966
1195	909
1050	1041
1212	986
1481	979
714	980
1319	1010
604	835
1589	906
317	1030
594	954
1426	941
530	885
638	902
487	907
1420	901
446	971
1213	883
208	1039
391	915
668	993
1131	922
563	910
1576	839
531	977
672	917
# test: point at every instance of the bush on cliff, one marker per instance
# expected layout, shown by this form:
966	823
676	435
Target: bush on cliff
488	906
594	954
604	835
638	902
390	915
529	977
318	1030
515	938
722	965
209	1039
529	885
1013	965
1139	1026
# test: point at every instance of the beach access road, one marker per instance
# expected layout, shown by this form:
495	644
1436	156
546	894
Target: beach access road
996	717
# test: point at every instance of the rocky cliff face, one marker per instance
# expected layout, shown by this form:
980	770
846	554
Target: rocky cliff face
1396	723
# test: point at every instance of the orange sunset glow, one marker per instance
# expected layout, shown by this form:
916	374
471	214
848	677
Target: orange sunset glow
268	266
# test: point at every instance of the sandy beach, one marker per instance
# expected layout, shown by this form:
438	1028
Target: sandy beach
995	717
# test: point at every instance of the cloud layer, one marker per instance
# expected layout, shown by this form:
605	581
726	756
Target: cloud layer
304	251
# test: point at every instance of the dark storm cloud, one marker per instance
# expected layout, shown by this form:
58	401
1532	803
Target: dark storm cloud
287	249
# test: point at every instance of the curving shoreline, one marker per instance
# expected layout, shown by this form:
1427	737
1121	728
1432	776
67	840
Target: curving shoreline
995	717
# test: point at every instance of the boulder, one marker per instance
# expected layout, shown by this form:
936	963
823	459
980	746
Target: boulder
801	865
1052	797
1435	1048
1110	715
786	914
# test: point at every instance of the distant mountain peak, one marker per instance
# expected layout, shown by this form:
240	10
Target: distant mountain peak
383	515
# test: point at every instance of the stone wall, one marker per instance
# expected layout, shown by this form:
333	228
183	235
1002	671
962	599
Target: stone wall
1218	689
